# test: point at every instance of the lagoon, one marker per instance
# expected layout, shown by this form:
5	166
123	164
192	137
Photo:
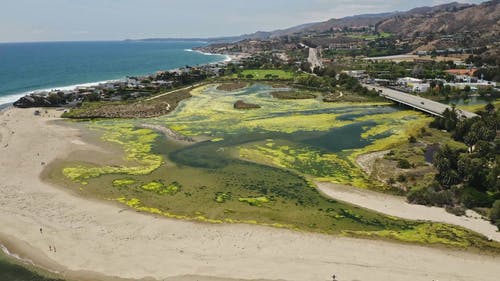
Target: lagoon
251	166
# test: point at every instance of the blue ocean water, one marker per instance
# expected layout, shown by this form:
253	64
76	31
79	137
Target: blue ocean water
26	67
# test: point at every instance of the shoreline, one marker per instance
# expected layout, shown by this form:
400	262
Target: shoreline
95	237
228	58
11	98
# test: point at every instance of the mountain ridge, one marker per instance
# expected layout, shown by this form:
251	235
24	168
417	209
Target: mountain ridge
481	20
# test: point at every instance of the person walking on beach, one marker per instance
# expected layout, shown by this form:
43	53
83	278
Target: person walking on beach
50	248
55	249
41	230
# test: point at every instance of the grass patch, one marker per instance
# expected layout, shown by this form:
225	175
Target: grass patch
265	74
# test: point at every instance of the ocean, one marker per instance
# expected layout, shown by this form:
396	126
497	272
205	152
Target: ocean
27	67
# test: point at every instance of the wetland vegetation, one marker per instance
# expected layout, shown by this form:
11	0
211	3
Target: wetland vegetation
255	166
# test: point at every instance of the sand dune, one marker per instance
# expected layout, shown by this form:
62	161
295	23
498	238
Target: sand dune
96	238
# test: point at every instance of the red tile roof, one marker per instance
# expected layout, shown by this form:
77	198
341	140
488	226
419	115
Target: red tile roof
468	72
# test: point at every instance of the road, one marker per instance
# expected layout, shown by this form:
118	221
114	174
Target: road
416	102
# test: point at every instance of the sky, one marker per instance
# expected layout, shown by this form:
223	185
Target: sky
83	20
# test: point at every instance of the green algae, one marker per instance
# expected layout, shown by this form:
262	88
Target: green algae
401	125
434	234
294	136
211	113
322	166
160	188
123	182
136	144
221	197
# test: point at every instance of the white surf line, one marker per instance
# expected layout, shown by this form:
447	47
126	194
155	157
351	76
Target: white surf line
398	207
25	260
15	256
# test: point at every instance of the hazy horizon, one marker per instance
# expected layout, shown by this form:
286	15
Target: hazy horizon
111	20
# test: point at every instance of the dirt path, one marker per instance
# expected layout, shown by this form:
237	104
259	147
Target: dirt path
181	89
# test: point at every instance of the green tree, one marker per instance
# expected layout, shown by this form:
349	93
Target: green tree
490	108
445	161
478	131
473	171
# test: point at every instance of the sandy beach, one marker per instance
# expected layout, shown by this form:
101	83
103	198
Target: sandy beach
96	239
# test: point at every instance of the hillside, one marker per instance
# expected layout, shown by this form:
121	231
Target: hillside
472	22
356	21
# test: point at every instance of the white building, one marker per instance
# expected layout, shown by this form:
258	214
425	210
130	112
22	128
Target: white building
420	87
408	80
413	84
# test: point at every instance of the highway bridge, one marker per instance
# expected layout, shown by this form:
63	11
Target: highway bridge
426	105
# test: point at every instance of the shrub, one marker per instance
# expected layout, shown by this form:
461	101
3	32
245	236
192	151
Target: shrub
441	198
404	164
401	178
472	198
495	213
456	210
419	196
428	196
